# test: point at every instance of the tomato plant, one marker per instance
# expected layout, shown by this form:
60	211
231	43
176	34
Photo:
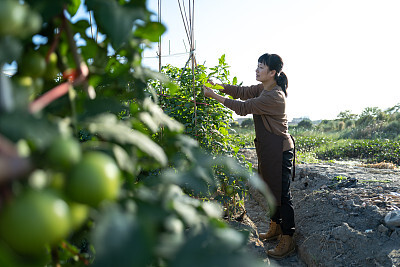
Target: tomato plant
89	129
204	119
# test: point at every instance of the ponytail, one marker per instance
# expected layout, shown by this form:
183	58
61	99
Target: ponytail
274	62
282	81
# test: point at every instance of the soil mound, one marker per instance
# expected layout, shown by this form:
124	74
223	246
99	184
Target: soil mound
340	211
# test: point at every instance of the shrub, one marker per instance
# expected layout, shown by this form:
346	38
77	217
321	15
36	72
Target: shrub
247	123
341	125
305	124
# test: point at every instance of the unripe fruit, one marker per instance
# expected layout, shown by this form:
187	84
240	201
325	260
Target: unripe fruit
63	153
51	68
79	213
23	81
33	64
12	17
94	179
229	190
32	24
34	219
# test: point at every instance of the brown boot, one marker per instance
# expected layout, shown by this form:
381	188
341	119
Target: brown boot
273	233
285	247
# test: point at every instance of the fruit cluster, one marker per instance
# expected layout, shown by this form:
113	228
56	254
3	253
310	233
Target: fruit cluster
33	71
41	216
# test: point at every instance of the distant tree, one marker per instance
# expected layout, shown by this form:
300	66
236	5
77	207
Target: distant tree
368	116
392	130
305	124
382	116
394	109
341	125
327	125
346	115
247	123
350	124
234	124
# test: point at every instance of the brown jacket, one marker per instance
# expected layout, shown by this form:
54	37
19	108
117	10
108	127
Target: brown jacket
270	105
272	137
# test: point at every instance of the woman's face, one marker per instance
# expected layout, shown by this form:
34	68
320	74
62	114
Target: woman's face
263	74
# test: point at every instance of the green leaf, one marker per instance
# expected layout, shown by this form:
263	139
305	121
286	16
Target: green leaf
235	81
158	117
102	104
215	86
123	159
110	128
48	8
151	31
73	6
114	20
19	125
120	239
263	188
215	247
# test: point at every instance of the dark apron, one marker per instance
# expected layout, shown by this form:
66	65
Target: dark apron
269	148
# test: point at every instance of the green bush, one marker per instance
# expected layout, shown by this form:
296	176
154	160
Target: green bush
204	118
370	150
305	124
247	123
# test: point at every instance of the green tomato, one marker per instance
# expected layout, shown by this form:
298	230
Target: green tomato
57	181
33	220
63	153
33	86
23	81
33	64
94	179
32	24
12	17
51	68
230	190
79	214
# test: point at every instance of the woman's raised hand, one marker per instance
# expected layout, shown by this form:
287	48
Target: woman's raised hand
218	86
208	92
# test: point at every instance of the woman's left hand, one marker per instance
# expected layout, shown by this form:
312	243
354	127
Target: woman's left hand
208	92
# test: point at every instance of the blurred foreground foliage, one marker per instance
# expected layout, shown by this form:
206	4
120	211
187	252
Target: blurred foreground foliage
78	93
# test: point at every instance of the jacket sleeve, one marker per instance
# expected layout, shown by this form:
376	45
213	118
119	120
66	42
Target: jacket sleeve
267	104
243	92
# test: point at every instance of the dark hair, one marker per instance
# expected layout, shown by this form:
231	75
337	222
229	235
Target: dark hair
274	62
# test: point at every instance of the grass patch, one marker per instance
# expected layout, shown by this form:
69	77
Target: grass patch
314	146
244	136
372	151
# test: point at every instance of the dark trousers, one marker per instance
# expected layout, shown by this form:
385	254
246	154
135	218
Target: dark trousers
284	214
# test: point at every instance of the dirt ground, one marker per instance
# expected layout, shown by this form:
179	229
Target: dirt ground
340	211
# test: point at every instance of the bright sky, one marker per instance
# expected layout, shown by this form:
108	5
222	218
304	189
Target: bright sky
338	54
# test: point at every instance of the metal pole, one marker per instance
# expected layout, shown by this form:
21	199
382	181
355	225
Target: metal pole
193	58
159	44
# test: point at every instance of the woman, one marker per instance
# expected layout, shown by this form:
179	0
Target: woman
274	145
